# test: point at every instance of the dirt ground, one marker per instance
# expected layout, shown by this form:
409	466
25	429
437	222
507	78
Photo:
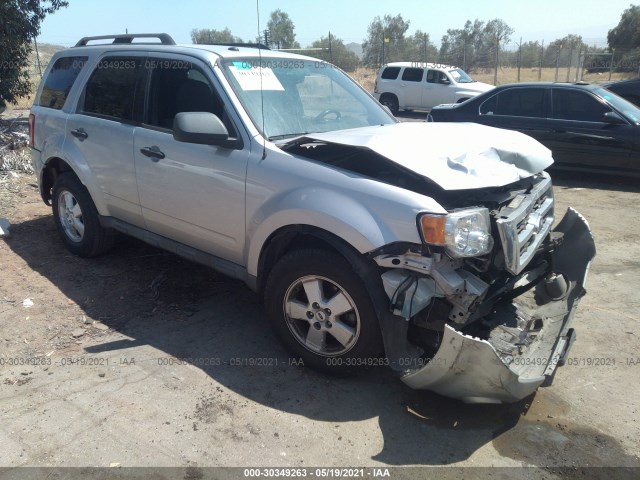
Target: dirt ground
141	358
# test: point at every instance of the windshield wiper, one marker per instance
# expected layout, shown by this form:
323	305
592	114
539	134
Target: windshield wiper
286	135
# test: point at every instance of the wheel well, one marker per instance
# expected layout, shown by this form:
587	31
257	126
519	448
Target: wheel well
388	95
288	239
295	237
51	171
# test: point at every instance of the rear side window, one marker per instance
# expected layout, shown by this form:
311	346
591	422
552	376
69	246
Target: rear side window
516	102
390	73
115	88
575	105
412	74
60	80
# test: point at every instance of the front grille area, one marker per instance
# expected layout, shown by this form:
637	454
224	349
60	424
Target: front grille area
524	223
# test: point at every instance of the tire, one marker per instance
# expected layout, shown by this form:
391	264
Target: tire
77	219
391	102
299	292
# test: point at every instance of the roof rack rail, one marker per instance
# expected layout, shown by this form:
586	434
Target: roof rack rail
128	38
241	44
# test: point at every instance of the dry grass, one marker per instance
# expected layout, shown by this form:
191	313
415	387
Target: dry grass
367	76
24	103
510	75
46	52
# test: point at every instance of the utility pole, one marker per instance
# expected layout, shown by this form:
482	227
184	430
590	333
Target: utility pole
519	57
495	72
35	41
611	63
557	62
425	49
570	59
330	52
541	60
267	37
464	53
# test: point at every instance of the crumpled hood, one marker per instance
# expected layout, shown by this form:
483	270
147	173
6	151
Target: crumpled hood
456	156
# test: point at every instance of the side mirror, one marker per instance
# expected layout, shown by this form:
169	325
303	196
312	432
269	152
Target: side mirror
612	118
445	81
203	128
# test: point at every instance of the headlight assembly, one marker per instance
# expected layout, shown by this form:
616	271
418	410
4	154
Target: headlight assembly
464	233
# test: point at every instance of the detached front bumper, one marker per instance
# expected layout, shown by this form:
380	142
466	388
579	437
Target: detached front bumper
480	371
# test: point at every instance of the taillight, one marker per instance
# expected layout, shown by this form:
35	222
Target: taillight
32	129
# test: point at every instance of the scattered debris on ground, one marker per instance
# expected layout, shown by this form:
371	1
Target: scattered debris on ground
14	137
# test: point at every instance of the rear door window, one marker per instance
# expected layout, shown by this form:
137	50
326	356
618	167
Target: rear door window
59	81
115	89
576	105
412	74
516	102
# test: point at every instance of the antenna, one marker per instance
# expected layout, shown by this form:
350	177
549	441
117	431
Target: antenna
264	140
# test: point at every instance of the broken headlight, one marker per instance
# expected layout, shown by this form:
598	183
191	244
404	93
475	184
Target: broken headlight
464	233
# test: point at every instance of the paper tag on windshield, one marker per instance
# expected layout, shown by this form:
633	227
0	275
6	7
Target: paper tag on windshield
249	77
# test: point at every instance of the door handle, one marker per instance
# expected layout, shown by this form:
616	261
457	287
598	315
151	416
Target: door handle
80	134
153	152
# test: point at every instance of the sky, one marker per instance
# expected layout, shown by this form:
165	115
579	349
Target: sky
347	19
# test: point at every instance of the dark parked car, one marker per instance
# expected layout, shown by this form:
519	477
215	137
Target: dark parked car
585	126
627	89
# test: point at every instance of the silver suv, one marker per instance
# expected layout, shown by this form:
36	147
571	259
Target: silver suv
425	247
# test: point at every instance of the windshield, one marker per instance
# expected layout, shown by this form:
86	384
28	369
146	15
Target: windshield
300	96
460	76
630	110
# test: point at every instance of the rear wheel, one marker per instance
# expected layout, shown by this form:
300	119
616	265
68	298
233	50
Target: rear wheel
77	219
322	312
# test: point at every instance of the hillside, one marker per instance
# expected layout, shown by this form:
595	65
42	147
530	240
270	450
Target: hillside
46	51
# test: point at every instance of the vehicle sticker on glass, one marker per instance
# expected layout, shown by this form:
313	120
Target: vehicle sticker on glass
248	77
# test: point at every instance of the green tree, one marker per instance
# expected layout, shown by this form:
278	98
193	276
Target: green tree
624	39
465	47
530	54
420	48
20	22
498	33
563	50
336	52
211	36
626	35
281	30
386	41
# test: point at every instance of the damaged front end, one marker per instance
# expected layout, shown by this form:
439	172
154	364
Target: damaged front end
490	329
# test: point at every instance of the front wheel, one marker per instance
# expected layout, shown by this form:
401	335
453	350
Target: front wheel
322	312
77	219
